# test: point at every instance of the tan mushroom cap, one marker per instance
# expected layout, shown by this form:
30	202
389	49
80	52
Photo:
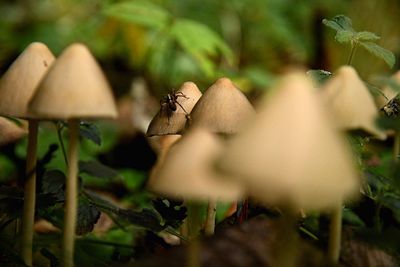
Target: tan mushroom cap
163	124
292	156
74	87
187	170
20	81
10	131
350	102
222	109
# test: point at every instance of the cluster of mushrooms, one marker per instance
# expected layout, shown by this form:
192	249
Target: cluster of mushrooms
290	152
37	87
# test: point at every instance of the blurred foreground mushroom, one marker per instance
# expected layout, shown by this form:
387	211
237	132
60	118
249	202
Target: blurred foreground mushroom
187	172
350	102
74	88
10	131
16	88
292	157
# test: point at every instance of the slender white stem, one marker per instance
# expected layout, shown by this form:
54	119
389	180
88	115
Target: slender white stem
210	219
335	235
28	212
71	195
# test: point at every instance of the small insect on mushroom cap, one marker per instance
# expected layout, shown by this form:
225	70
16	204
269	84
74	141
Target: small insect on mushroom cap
174	111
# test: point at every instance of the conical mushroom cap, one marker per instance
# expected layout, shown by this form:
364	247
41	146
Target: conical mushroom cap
74	87
350	102
167	121
186	171
222	109
291	155
22	78
11	132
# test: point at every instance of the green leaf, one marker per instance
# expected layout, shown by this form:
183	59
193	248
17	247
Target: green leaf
367	36
201	43
88	215
380	52
96	169
53	181
339	23
141	12
320	76
90	131
352	218
344	36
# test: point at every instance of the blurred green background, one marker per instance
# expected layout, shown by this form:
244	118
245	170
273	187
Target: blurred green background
168	42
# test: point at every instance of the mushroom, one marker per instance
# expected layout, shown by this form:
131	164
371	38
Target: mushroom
174	111
350	102
11	131
75	88
17	86
292	157
187	172
222	109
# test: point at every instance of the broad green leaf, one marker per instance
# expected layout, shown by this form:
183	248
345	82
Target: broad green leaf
344	36
380	52
320	76
367	36
339	23
141	12
200	42
90	131
88	215
96	169
352	218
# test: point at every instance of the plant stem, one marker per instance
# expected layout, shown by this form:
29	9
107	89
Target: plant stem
352	52
209	226
193	219
396	147
28	213
71	195
59	129
335	235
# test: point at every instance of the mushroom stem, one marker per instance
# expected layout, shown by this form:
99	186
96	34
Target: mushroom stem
210	219
335	235
71	195
396	147
193	254
288	243
193	219
28	213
